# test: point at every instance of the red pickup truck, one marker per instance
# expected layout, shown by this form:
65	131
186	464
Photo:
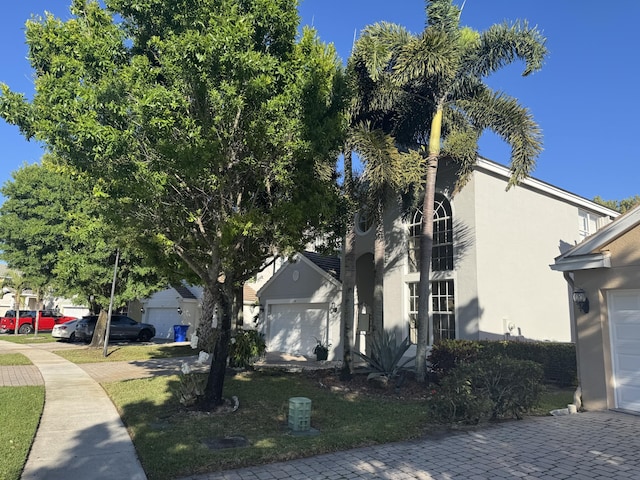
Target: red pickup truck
48	319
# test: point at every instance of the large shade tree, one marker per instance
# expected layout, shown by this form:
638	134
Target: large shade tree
209	126
429	91
52	230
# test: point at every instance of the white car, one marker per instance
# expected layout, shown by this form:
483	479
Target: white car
65	331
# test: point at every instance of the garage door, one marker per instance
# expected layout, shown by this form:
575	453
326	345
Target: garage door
163	319
624	320
293	328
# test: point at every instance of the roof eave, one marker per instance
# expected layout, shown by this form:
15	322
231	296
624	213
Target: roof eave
582	262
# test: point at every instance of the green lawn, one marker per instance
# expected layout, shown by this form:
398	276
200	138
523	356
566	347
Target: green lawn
7	359
171	441
31	338
17	430
126	352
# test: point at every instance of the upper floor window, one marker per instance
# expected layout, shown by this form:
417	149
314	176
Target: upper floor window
442	251
363	222
587	224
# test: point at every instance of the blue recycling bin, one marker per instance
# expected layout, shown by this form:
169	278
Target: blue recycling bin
180	333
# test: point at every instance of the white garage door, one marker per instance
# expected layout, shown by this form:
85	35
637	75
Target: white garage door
163	319
293	328
624	320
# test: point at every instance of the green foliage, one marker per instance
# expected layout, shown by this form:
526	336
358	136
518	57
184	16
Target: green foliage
558	360
447	354
619	205
210	128
490	388
387	354
52	229
190	386
246	347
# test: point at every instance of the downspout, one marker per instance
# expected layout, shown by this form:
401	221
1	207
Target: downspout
577	395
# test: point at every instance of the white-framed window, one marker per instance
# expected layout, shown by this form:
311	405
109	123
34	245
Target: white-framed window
442	250
587	224
442	318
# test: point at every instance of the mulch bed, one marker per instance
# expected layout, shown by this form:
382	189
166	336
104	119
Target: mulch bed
404	388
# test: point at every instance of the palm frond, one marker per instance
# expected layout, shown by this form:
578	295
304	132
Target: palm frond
502	44
376	46
433	53
442	15
513	123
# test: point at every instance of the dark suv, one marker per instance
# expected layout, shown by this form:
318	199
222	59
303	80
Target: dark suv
122	328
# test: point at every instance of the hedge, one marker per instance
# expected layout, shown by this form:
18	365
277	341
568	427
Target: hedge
558	360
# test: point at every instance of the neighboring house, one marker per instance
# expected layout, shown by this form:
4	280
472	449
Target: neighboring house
28	301
181	304
301	303
604	273
490	276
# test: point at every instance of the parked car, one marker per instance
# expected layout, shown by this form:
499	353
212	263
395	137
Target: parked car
122	328
27	322
65	331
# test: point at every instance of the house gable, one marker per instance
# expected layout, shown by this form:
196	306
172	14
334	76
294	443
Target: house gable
595	251
300	278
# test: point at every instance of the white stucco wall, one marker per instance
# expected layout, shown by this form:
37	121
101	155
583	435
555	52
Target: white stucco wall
518	234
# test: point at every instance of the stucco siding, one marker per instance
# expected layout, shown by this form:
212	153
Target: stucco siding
518	232
594	348
625	251
300	280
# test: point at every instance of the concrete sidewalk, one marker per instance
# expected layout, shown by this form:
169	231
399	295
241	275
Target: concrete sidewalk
81	435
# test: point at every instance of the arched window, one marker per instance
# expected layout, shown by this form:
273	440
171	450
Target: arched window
442	252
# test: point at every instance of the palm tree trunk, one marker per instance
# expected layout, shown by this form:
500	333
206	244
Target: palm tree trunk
378	272
349	276
426	246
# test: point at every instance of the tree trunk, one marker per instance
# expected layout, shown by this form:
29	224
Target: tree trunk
238	307
205	332
215	382
426	246
378	273
100	331
348	276
348	300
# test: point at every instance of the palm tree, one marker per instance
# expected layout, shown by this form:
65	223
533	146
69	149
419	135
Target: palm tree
349	276
429	92
387	174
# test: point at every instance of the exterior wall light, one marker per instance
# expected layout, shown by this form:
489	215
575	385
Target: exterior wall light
333	307
581	300
179	310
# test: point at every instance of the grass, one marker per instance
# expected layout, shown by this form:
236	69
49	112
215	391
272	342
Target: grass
170	440
126	352
10	359
18	431
20	338
552	399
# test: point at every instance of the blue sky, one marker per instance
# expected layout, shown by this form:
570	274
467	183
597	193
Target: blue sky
585	98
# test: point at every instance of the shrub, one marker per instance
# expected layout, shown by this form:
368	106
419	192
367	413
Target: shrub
455	401
489	388
246	347
557	359
387	354
447	354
